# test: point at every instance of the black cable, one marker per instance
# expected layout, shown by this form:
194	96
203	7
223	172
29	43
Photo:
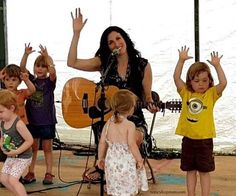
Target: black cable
81	182
86	165
59	166
50	188
90	141
68	183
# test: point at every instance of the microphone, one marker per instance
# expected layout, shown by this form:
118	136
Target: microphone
116	52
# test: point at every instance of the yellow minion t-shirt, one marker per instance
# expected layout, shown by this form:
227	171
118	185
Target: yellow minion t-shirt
196	119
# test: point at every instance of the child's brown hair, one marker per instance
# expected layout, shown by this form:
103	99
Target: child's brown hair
8	99
13	70
194	70
122	102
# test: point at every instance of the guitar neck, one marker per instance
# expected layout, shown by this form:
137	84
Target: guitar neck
174	105
141	104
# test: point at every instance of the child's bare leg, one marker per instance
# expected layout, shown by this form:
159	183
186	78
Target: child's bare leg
191	182
18	188
47	149
35	148
4	179
205	181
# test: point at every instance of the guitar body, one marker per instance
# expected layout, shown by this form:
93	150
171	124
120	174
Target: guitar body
81	102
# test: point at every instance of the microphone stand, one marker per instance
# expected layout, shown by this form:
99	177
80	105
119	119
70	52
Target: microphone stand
103	99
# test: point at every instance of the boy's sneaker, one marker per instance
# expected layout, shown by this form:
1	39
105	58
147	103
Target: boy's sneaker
29	178
48	179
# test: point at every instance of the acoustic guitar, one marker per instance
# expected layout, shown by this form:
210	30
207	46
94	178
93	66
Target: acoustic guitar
82	103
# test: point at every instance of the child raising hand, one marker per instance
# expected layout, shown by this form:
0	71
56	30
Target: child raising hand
196	122
41	110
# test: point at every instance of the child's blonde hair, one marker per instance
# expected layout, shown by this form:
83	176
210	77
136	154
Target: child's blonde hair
194	70
13	70
8	99
122	102
41	60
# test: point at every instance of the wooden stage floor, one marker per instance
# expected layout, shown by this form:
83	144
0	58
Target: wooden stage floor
170	180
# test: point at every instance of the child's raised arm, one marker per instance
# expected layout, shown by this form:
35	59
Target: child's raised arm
28	51
183	56
2	73
30	86
51	67
215	61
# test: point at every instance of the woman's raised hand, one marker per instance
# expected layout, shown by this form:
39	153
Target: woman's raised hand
78	22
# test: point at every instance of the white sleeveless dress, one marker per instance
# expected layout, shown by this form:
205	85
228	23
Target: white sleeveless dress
122	176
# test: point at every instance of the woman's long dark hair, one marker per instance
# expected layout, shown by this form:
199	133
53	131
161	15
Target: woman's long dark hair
104	52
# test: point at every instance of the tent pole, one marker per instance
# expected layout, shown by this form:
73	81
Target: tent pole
3	34
196	30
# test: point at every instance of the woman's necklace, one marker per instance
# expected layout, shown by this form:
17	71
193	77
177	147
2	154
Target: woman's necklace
123	77
125	74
